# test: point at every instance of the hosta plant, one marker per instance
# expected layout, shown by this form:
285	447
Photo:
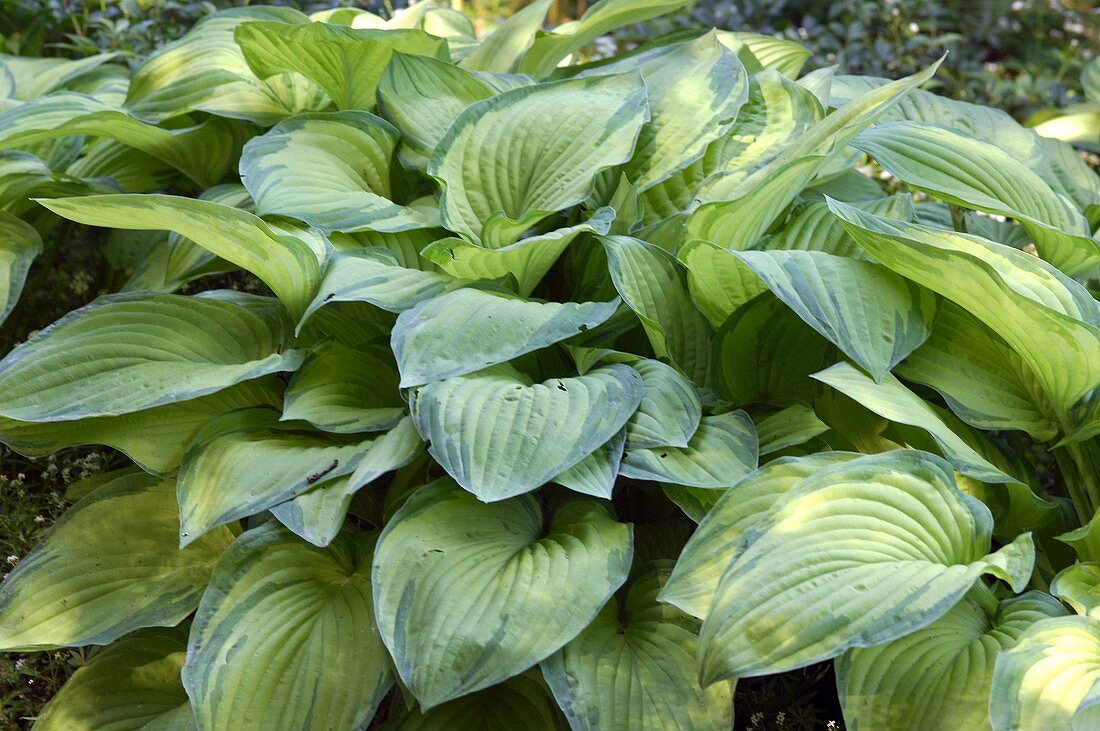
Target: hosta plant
580	390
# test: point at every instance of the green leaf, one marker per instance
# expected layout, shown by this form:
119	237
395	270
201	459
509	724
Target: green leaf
502	50
717	540
523	696
670	410
633	668
813	227
720	283
695	90
794	425
422	96
19	245
722	450
109	566
345	390
493	589
652	283
777	110
127	353
246	461
981	378
551	47
279	616
527	260
537	430
331	170
1079	586
940	676
285	259
912	546
345	62
892	400
467	330
786	57
1049	679
979	175
153	438
873	315
1052	322
510	161
596	474
765	353
32	77
318	515
374	275
134	683
206	71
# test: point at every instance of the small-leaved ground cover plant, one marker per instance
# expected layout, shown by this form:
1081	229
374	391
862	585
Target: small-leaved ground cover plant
576	391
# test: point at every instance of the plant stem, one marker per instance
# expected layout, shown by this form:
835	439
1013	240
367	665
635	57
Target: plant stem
1080	466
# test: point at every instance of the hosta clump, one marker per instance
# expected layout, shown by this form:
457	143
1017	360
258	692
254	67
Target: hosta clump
581	391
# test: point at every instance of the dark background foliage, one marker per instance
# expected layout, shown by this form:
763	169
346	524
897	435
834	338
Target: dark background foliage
1020	55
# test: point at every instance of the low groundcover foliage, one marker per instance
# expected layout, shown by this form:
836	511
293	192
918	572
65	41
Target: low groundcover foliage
582	390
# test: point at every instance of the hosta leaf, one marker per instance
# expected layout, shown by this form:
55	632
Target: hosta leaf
873	315
786	57
940	676
792	426
670	410
34	77
765	353
537	430
286	260
509	161
345	62
776	111
652	283
596	474
856	555
127	353
695	89
134	683
206	71
720	283
634	667
722	450
523	696
502	50
467	330
318	515
180	260
1050	679
153	438
551	47
1079	586
110	565
19	245
983	380
331	170
246	461
743	204
202	152
892	400
979	175
813	227
1050	320
345	390
281	615
374	275
469	594
527	260
717	541
422	96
